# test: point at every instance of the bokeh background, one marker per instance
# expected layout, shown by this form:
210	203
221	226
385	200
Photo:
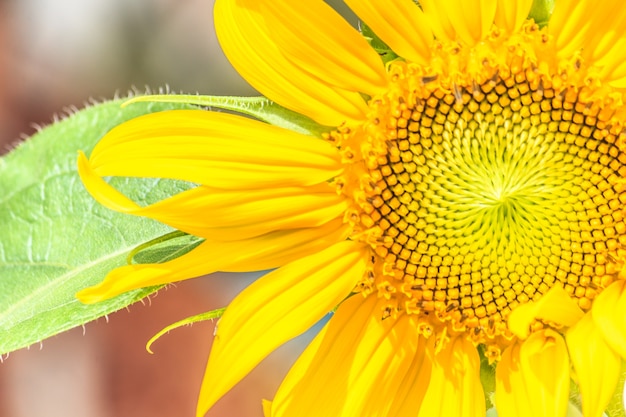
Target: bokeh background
57	55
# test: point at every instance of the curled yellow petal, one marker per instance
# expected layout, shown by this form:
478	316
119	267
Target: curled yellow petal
544	365
555	306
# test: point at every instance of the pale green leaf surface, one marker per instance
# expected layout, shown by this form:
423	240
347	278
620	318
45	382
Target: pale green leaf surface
55	239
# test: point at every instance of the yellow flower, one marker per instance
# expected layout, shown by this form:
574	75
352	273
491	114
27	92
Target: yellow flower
469	196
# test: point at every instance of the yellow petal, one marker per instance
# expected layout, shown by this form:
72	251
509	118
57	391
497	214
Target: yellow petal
319	41
214	149
555	306
412	390
544	365
532	379
235	215
511	14
275	309
436	13
570	24
356	368
471	20
512	398
256	254
597	366
267	408
455	388
609	315
245	38
400	24
605	43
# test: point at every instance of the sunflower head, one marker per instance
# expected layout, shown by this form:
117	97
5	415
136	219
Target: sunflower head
467	197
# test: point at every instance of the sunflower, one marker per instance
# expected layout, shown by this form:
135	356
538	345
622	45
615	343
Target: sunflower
466	202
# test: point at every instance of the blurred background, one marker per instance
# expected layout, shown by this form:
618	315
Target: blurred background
57	55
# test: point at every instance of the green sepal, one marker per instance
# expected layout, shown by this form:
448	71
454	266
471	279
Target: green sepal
541	11
385	52
163	248
487	377
56	240
209	315
258	107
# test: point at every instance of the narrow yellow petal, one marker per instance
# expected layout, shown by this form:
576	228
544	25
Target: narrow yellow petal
245	38
437	15
412	390
609	315
356	368
275	309
597	366
256	254
236	215
555	306
605	43
319	41
511	14
400	24
455	388
471	19
544	365
570	24
215	149
512	398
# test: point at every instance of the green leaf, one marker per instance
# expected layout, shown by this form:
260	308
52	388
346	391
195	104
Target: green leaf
257	107
541	11
56	239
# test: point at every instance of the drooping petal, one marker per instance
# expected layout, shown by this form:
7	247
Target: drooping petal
256	254
455	388
470	20
319	41
555	306
597	366
245	38
544	365
229	215
357	367
512	399
275	309
511	14
214	149
609	315
400	24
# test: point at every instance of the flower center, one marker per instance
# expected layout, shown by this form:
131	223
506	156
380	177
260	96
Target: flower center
480	195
